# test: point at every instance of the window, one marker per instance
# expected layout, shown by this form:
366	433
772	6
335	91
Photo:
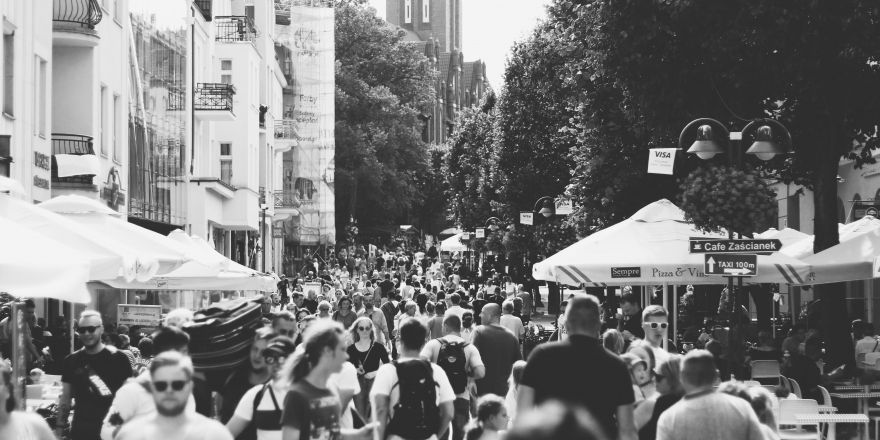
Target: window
103	133
40	96
226	71
117	126
8	74
407	11
226	163
426	11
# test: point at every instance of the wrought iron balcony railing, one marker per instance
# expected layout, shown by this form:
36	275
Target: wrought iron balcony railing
286	199
286	129
282	12
85	14
235	28
214	96
176	100
205	7
79	145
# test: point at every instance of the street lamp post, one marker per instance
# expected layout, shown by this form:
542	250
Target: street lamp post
768	139
545	206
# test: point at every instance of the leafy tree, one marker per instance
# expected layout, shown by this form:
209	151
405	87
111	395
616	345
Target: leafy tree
383	168
811	65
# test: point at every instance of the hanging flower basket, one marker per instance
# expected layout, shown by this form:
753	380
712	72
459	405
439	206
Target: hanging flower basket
718	198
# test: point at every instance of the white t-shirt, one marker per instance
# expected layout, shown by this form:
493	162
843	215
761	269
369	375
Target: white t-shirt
245	408
513	324
346	379
432	349
386	381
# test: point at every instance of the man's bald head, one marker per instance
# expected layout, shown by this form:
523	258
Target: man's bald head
491	314
583	315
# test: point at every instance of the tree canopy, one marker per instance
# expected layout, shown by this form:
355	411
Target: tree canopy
383	168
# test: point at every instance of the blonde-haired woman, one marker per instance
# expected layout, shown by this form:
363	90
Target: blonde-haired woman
367	355
669	391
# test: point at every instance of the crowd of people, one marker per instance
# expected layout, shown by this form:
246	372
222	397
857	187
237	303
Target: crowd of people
406	351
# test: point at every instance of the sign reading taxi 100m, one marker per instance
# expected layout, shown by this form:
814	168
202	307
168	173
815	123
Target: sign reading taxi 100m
734	246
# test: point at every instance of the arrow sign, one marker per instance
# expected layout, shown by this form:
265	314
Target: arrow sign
740	265
734	246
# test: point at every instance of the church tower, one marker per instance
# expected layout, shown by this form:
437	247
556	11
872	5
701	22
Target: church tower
424	19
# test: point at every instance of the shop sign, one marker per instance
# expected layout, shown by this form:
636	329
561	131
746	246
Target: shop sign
661	160
732	264
40	182
564	206
526	218
43	161
626	272
136	314
480	232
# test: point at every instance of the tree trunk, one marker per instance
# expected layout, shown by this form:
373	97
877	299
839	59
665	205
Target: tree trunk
833	317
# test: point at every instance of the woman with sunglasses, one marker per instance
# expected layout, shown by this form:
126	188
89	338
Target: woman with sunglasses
367	355
260	408
669	391
312	409
18	425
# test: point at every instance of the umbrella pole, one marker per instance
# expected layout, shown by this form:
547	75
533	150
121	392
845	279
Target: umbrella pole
674	327
665	306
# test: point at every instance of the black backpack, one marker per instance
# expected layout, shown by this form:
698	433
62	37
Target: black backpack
454	362
416	415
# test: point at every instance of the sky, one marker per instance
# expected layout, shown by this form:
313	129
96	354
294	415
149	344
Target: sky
490	28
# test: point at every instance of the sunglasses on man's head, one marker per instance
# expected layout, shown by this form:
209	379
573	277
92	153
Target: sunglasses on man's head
88	329
176	385
657	324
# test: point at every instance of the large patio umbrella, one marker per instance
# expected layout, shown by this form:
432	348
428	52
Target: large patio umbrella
453	244
651	248
804	248
35	266
98	218
787	236
850	260
198	276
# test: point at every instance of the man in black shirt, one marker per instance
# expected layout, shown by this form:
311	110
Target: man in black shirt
387	286
631	321
580	371
91	375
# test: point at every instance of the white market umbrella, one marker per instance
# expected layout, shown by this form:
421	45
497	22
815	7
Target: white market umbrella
453	244
850	260
198	276
804	248
109	259
98	218
787	236
12	187
34	266
651	248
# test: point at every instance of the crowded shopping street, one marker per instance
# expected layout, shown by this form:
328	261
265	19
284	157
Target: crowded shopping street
439	220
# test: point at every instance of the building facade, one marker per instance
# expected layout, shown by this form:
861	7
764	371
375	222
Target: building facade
435	26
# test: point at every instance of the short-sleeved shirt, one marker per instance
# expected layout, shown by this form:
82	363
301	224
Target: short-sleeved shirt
369	359
266	406
345	380
473	360
579	370
711	415
513	324
499	349
94	380
386	384
313	411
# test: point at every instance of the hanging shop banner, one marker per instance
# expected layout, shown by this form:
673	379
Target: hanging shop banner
526	218
661	160
140	315
564	206
481	232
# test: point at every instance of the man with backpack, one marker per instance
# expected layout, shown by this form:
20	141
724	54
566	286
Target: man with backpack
412	397
461	361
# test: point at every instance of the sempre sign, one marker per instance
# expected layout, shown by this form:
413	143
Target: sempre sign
626	272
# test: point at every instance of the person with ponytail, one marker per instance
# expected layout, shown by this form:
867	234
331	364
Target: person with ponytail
491	419
311	409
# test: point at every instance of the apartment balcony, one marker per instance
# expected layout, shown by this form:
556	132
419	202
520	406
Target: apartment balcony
235	29
286	199
176	101
282	12
205	8
74	163
74	21
213	101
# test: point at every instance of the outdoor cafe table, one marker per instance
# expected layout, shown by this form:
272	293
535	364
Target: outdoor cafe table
862	398
874	387
831	420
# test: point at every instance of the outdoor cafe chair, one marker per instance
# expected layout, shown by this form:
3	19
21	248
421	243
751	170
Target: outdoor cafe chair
789	409
766	370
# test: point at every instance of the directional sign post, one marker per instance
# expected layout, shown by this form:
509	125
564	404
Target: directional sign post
732	265
734	246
